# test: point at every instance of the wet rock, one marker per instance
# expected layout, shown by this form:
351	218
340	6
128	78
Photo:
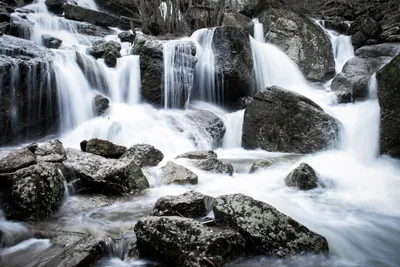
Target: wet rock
233	62
337	25
243	102
190	205
303	177
186	242
389	97
35	192
17	160
261	165
266	163
237	20
175	174
215	166
55	6
51	41
92	30
266	230
110	58
253	8
302	40
21	28
144	155
100	104
120	7
103	148
51	151
4	14
102	49
279	120
105	176
127	36
199	155
364	29
32	147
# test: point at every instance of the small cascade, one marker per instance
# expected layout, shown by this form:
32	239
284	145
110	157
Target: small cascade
118	248
373	87
258	31
178	72
208	87
234	130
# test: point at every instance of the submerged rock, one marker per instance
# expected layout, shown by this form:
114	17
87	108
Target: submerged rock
50	41
279	120
100	50
17	160
265	229
190	205
198	155
303	177
144	155
186	242
175	174
103	148
215	166
51	151
100	104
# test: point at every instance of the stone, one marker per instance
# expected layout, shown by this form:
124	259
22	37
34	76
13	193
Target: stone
190	205
35	192
127	36
266	230
104	148
98	51
389	97
303	177
111	58
198	155
51	151
215	166
51	41
237	20
20	27
266	163
363	29
175	174
144	155
120	7
55	6
100	104
105	176
185	242
17	160
279	120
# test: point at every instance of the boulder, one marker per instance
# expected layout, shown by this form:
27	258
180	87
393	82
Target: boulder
266	230
103	148
233	62
237	20
185	242
243	102
175	174
51	41
215	166
127	36
35	192
389	97
17	160
100	104
302	40
363	29
4	14
198	155
98	51
144	155
190	205
51	151
253	8
21	27
105	176
111	58
279	120
92	30
303	177
55	6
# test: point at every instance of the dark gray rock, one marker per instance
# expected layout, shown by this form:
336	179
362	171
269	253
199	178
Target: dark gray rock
303	177
237	20
105	176
199	155
283	121
100	104
120	7
111	58
35	192
389	97
104	148
51	151
51	41
98	18
253	8
190	205
144	155
266	230
215	166
92	30
243	102
55	6
186	242
20	27
266	163
4	14
100	50
127	36
17	160
363	29
175	174
302	40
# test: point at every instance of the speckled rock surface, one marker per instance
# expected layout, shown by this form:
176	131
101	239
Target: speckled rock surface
173	173
144	155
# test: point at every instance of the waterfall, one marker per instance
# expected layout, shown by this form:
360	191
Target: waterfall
258	31
373	87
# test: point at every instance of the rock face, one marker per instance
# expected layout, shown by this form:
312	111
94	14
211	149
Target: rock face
215	166
175	174
144	155
364	29
51	151
105	176
233	62
100	104
302	40
266	230
283	121
17	160
190	205
389	97
303	177
55	5
103	148
186	242
35	193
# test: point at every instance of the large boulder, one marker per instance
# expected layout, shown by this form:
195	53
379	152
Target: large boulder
51	151
173	173
190	205
363	29
283	121
35	192
110	51
389	97
266	230
103	148
302	40
233	62
144	155
303	177
185	242
105	176
17	160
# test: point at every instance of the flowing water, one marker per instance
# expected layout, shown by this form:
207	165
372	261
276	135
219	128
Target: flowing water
357	212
